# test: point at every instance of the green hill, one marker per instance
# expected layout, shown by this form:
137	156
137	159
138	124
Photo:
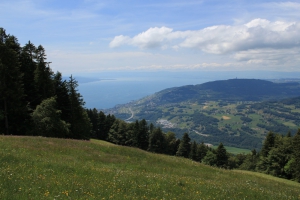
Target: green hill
47	168
237	112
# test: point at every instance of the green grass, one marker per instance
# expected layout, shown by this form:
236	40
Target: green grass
235	150
47	168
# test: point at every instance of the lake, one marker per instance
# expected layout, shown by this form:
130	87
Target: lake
107	89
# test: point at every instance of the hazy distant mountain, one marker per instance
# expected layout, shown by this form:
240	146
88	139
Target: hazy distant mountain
228	111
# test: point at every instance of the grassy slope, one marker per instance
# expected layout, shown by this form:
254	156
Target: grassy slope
46	168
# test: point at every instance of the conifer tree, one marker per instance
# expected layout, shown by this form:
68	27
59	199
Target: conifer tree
157	141
171	143
106	126
184	146
43	75
62	96
143	135
201	152
118	133
193	152
12	106
28	66
268	144
80	123
222	157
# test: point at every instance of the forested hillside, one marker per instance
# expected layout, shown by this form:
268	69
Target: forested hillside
34	99
237	112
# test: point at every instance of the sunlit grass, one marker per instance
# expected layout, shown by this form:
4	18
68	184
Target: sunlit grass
47	168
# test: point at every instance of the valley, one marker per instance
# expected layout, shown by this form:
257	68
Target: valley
230	115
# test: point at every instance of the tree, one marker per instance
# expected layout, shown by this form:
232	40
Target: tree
105	126
184	146
28	66
210	159
118	134
222	157
296	156
80	123
12	106
157	141
63	102
143	136
43	75
201	152
268	144
193	151
47	121
172	143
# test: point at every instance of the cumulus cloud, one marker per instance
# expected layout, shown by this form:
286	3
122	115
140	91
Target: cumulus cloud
221	39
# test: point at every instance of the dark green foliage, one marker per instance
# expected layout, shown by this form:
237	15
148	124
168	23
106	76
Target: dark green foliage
80	123
246	119
26	80
201	152
184	146
172	143
193	151
12	106
222	157
268	144
43	76
61	91
119	133
210	159
157	141
296	156
47	120
28	66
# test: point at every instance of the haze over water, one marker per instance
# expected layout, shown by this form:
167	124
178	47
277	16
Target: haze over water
105	90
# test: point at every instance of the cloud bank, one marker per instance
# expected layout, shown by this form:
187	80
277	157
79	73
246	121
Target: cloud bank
220	39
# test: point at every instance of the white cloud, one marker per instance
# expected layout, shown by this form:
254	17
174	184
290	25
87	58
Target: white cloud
221	39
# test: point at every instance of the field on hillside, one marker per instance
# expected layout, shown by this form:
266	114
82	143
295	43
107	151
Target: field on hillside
237	124
47	168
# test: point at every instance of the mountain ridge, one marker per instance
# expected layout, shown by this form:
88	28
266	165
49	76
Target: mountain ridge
220	111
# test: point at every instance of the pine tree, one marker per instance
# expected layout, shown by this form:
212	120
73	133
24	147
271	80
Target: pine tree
43	76
102	131
118	133
106	125
62	97
184	146
222	157
143	135
12	106
268	144
28	66
201	152
193	152
157	141
171	143
80	123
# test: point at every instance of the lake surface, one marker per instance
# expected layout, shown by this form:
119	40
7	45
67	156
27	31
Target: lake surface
105	90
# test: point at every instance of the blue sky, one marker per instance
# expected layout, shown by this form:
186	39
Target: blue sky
89	36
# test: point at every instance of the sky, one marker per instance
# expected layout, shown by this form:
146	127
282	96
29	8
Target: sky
91	36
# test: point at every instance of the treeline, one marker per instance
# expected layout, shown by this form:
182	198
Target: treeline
33	99
279	156
146	136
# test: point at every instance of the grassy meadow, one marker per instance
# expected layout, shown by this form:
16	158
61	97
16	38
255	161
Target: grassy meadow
48	168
